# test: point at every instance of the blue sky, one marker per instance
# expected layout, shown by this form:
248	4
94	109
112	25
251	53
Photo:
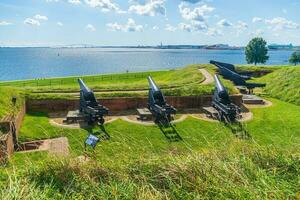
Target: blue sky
147	22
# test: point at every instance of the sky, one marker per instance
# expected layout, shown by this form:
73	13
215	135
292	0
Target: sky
147	22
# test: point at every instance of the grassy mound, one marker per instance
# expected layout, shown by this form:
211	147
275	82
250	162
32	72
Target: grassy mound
284	84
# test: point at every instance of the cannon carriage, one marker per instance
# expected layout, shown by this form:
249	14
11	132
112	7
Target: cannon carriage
91	109
226	110
161	111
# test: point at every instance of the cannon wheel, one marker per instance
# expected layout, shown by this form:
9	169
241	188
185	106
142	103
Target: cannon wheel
101	121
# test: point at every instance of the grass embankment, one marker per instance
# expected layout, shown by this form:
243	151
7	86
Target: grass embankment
283	84
139	163
6	105
180	82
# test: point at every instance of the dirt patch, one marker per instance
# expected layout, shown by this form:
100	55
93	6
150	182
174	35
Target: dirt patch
208	77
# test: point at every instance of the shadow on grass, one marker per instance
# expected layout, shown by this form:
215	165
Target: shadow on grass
170	132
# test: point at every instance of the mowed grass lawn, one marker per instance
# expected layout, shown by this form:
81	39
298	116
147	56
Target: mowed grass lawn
138	162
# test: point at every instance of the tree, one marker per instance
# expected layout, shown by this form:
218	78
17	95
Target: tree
295	58
257	51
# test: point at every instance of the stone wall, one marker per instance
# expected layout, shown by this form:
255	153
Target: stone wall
121	104
8	140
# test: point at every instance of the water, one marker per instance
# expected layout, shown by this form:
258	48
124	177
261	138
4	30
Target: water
32	63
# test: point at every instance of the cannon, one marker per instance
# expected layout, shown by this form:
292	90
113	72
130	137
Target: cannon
161	111
226	110
230	67
89	106
236	78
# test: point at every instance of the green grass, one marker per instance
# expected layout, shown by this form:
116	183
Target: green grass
180	82
138	162
129	81
6	105
283	84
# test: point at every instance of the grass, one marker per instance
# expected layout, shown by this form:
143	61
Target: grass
180	82
283	84
138	162
6	105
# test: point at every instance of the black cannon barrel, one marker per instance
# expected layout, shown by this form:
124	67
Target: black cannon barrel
83	86
152	84
221	64
220	87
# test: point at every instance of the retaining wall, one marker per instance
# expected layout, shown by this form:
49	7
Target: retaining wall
121	104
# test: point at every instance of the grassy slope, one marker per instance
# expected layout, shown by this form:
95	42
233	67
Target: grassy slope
284	84
139	163
6	106
180	82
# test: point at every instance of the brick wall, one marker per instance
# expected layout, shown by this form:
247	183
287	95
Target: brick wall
120	104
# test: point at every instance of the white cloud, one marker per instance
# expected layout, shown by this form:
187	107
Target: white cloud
241	25
170	28
257	32
214	32
5	23
104	5
197	14
33	22
257	19
90	27
41	17
280	23
224	23
131	26
59	24
196	18
150	8
155	27
75	2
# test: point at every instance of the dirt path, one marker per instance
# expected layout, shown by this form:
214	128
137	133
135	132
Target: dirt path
208	77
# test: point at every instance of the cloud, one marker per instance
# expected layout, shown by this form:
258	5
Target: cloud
257	32
149	8
257	19
197	14
5	23
59	24
224	23
90	27
41	17
104	5
195	18
33	22
214	32
131	26
241	25
170	28
155	27
280	23
75	2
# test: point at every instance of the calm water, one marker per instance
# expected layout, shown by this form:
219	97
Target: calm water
31	63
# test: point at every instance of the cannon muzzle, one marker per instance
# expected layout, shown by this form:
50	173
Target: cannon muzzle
83	86
152	84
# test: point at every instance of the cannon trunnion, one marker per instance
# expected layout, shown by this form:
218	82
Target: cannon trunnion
92	110
227	111
157	104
